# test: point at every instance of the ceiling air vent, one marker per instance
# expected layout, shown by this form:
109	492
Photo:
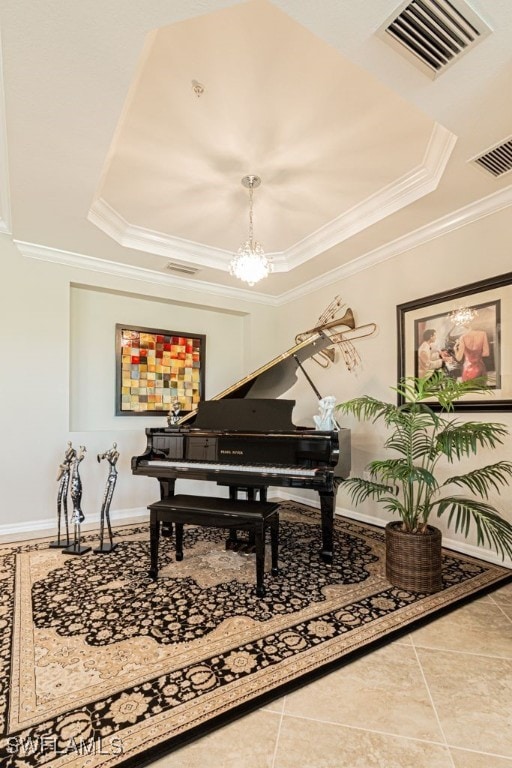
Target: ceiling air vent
497	160
183	269
433	34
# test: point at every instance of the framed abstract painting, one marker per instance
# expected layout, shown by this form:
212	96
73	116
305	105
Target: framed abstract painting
465	332
157	370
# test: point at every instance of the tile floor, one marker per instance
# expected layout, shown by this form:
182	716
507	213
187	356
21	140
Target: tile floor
440	697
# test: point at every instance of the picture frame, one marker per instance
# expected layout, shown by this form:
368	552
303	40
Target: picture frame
473	338
157	370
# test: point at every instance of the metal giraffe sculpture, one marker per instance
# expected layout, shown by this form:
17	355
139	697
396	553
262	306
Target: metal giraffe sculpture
62	495
111	456
77	517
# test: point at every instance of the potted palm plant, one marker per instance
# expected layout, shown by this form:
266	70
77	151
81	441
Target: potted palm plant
409	484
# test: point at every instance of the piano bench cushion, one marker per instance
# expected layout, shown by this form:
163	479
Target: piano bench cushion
199	507
240	514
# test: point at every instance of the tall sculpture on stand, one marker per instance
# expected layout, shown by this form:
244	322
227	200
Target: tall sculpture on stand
77	517
111	456
62	496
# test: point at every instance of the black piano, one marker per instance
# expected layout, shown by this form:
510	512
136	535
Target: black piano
244	438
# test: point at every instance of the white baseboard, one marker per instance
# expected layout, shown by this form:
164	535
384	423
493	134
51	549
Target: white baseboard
48	527
458	546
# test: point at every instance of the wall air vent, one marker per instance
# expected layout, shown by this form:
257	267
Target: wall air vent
183	269
433	34
497	160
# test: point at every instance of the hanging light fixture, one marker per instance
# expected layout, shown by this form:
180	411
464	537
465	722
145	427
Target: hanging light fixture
463	315
250	263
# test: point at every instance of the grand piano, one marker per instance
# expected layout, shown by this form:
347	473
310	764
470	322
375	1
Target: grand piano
244	438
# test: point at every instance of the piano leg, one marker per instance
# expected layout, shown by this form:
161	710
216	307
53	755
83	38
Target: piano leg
233	542
166	490
274	540
154	535
179	541
327	507
259	537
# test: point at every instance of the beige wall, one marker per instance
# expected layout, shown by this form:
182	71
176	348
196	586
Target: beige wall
469	254
46	309
57	384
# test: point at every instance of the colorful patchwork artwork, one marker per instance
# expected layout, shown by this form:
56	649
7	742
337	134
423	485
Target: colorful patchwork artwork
156	369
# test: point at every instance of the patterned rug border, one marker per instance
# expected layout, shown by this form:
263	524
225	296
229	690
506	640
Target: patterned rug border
299	669
160	751
166	748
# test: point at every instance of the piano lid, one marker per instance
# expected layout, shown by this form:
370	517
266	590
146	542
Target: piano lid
275	377
251	414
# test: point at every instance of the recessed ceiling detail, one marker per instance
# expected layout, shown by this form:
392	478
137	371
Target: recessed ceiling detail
171	181
498	160
152	131
420	181
435	33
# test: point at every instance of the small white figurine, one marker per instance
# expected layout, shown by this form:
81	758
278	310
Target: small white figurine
325	420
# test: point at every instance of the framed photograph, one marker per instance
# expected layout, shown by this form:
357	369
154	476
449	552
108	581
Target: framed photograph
465	332
158	370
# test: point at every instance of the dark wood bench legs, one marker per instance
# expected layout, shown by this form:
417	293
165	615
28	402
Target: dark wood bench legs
259	541
234	541
154	536
256	528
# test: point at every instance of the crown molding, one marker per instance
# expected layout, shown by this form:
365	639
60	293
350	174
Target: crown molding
442	226
106	218
403	191
104	266
406	190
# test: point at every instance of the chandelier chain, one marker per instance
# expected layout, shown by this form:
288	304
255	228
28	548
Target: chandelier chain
251	225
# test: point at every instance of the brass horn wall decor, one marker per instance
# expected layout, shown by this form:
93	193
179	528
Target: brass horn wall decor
343	331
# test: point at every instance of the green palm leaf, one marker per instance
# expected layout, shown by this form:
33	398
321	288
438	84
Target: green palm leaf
400	471
360	489
365	408
482	481
415	445
405	482
459	440
491	528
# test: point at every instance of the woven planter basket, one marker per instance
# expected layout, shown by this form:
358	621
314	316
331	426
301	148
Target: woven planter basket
413	560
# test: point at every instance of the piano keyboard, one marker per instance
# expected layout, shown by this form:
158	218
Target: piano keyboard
245	468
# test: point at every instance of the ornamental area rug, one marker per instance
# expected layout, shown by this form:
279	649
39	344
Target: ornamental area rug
104	667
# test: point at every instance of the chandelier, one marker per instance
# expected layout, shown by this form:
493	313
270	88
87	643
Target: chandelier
250	263
463	315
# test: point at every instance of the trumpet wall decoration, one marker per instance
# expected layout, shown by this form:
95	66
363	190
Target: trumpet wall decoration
343	331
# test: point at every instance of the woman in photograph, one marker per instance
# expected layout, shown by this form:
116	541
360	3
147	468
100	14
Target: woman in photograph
471	348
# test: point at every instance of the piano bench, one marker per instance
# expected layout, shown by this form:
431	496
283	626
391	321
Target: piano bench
238	514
